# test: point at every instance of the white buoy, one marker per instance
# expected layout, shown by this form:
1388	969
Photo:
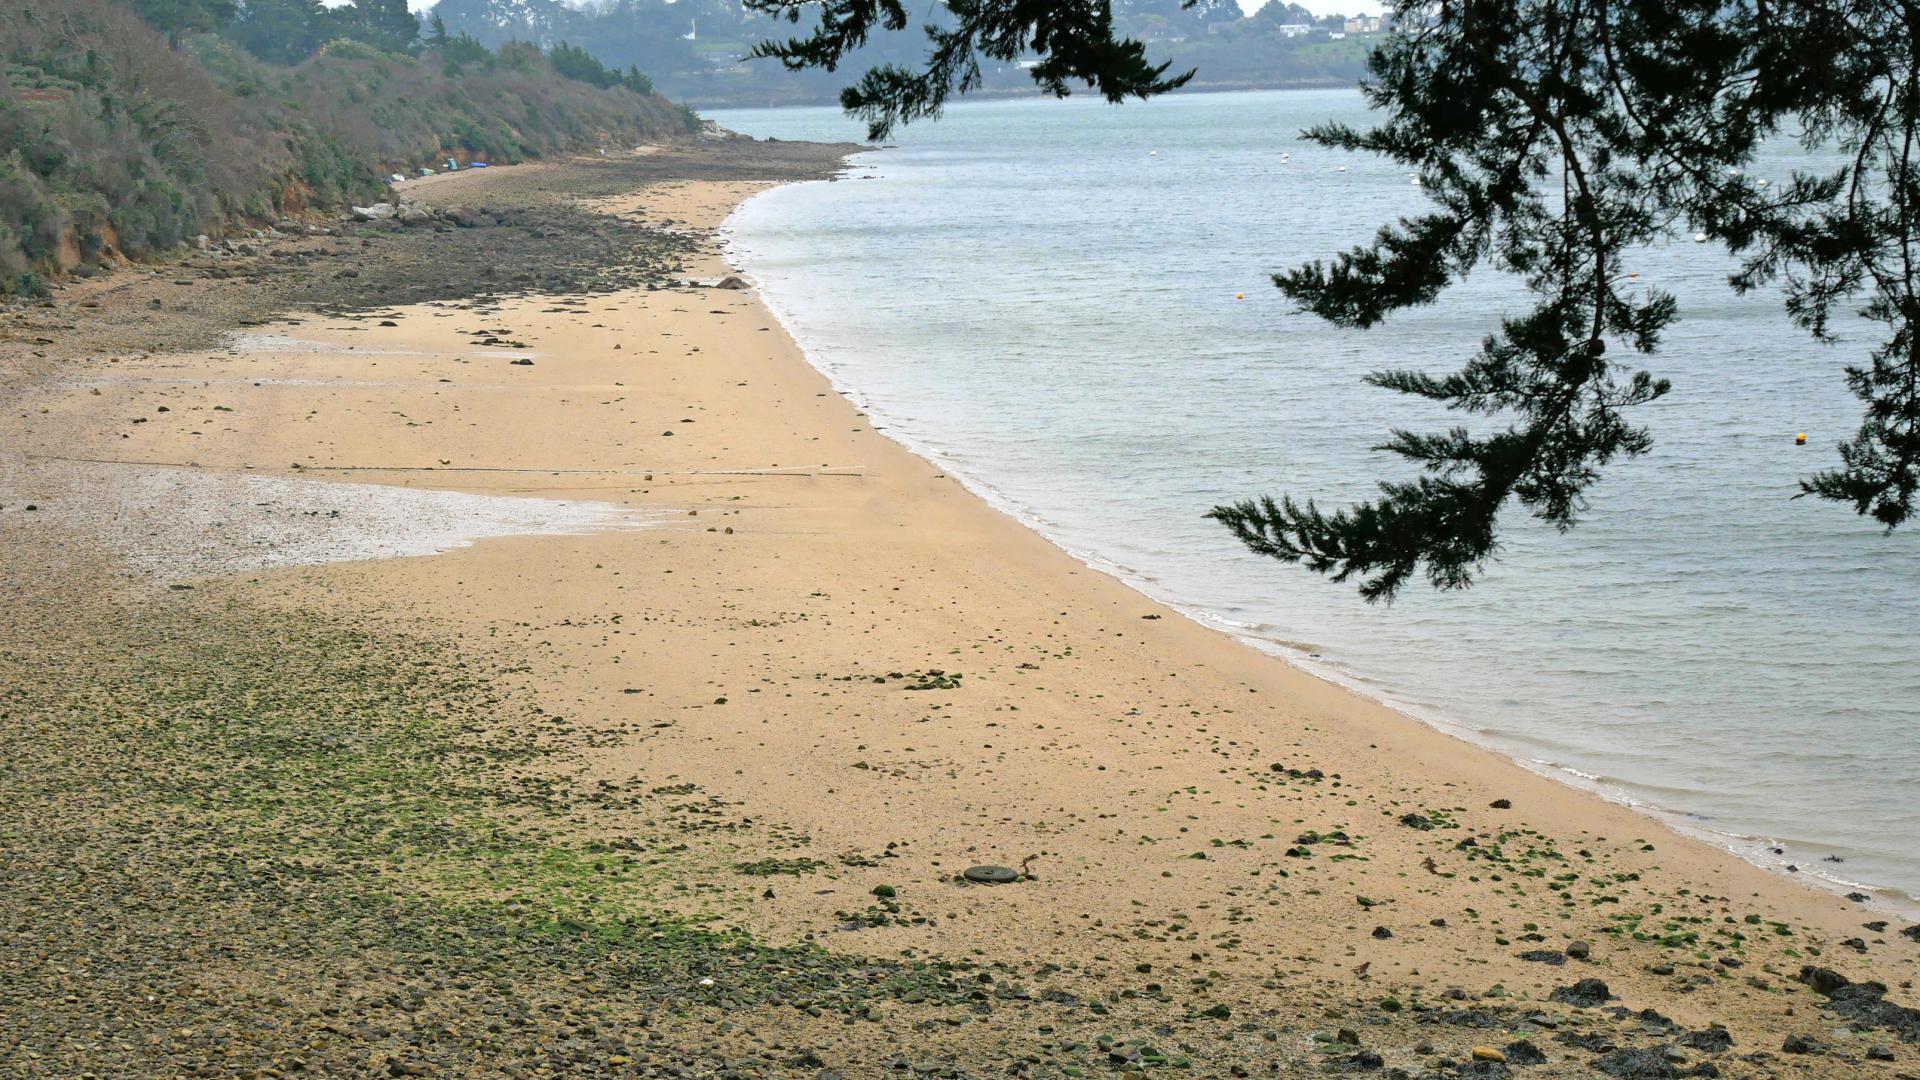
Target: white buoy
1153	153
1699	238
1284	158
1343	168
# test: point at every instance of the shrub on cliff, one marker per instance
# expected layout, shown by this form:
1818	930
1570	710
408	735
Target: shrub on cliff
112	143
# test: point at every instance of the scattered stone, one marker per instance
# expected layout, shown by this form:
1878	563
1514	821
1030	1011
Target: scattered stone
1823	980
1713	1040
1580	950
1488	1053
1801	1044
1865	1004
1363	1061
991	875
1585	994
733	281
1636	1063
1522	1052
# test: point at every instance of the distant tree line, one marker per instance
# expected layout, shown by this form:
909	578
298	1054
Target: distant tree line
128	127
700	50
287	32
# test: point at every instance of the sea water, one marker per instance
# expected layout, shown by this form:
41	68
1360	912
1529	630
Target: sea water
1044	297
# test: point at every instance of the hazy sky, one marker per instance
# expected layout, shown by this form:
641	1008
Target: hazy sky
1318	7
1324	7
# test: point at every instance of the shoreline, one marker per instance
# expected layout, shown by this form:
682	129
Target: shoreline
856	670
1016	93
1752	850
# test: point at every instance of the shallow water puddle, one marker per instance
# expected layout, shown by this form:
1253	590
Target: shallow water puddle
178	523
284	345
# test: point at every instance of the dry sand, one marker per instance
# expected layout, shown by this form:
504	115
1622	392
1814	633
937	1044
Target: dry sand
774	642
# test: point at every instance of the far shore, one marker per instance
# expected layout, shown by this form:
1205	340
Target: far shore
827	681
1014	93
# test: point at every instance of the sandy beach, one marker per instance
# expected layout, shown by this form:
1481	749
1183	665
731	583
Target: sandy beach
810	680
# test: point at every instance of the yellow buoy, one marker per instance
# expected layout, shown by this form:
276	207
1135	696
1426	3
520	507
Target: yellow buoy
1239	296
1800	439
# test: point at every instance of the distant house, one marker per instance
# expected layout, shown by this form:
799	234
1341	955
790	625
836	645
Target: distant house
1336	35
1294	29
1366	24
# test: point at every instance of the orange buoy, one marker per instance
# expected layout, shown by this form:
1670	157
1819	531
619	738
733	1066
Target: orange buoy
1800	439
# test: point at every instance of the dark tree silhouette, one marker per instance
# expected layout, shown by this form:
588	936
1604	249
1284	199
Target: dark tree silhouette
1074	41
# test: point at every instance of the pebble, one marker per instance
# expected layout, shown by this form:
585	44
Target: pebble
991	875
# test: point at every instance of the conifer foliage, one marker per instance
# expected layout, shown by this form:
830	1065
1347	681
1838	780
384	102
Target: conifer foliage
1074	40
1552	137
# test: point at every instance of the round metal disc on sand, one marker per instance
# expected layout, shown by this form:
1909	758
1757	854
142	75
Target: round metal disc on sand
991	875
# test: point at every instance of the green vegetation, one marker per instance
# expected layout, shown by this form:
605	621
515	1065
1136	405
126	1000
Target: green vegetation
306	796
114	143
576	63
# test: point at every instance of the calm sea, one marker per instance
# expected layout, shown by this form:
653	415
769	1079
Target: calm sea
1043	297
